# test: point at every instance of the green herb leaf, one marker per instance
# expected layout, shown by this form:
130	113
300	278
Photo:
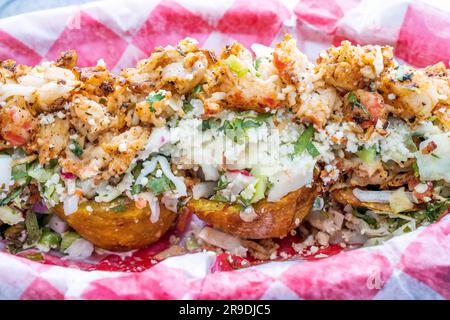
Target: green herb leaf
219	197
76	148
222	182
415	168
12	196
367	155
197	89
32	227
67	240
402	75
49	238
302	142
187	107
362	214
160	185
355	103
34	256
154	97
236	66
19	172
136	189
257	63
434	210
119	208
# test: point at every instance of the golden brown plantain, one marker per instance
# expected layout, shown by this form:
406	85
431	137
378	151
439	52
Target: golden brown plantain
345	196
117	231
275	219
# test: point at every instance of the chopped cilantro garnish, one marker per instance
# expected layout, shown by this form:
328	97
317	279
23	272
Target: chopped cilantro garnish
304	142
434	210
219	197
12	196
257	63
236	66
415	168
119	208
402	75
154	97
312	150
221	183
136	189
160	185
197	89
362	214
187	107
355	103
32	227
76	148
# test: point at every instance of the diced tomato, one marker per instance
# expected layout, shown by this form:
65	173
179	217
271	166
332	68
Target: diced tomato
14	139
243	172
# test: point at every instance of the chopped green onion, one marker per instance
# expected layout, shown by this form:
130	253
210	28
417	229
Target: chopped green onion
367	155
257	63
12	196
312	150
362	214
32	227
160	185
219	197
415	168
119	208
19	172
236	66
355	103
34	256
187	107
154	97
76	148
402	75
197	89
303	140
260	189
67	240
136	189
49	239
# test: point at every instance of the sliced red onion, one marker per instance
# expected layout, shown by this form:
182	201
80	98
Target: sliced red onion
243	172
67	175
40	207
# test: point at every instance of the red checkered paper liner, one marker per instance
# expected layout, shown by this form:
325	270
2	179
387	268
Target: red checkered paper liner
413	266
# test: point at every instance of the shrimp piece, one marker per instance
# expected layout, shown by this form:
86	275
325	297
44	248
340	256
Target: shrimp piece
349	67
89	117
318	106
290	62
123	148
109	158
89	165
52	139
249	90
179	69
364	108
156	112
441	78
17	125
410	93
